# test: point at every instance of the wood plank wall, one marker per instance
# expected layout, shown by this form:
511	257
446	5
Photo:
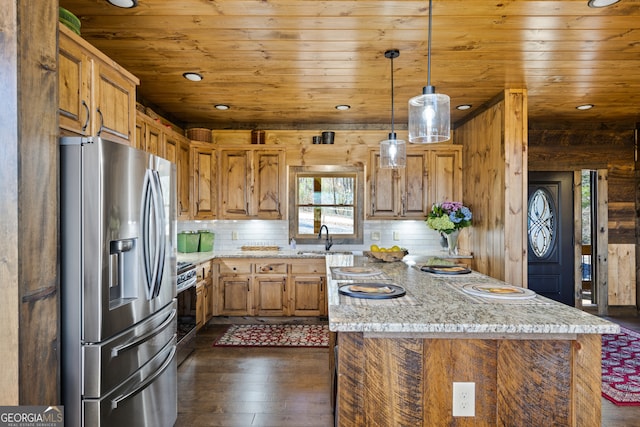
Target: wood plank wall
613	151
29	244
494	185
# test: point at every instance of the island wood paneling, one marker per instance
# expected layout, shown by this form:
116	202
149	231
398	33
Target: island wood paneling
409	381
494	186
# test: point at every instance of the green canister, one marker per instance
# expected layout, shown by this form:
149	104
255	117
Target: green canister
206	241
188	241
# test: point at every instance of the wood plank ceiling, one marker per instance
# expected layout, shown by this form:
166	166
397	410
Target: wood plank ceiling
288	63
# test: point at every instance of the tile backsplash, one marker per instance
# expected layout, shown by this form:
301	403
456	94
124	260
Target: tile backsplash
232	234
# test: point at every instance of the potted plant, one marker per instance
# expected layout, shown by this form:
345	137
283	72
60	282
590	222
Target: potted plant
448	218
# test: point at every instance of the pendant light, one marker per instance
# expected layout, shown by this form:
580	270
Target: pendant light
393	153
429	113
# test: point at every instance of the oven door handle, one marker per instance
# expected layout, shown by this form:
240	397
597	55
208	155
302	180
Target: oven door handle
146	337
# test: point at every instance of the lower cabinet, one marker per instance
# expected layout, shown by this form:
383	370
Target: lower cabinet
270	287
204	294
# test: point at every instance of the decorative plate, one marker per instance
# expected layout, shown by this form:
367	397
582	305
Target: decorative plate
498	291
445	269
372	290
357	271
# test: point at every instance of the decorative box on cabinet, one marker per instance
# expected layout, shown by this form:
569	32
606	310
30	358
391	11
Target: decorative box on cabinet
96	95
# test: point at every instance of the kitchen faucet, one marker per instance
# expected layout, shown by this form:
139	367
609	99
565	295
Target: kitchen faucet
329	241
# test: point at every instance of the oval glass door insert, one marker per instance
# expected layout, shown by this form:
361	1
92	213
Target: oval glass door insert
541	223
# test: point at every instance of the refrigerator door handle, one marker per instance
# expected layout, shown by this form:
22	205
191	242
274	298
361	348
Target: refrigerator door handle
115	402
153	224
160	229
146	337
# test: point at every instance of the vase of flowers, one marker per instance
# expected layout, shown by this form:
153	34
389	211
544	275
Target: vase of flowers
449	218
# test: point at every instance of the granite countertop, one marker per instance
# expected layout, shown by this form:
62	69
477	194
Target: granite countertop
301	252
435	305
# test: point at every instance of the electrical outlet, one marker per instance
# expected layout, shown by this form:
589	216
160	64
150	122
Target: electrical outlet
234	235
375	236
396	235
464	399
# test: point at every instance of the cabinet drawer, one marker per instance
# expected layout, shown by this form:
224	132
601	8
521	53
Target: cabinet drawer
271	268
306	268
203	271
235	267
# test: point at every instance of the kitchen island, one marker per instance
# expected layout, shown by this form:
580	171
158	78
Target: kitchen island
533	361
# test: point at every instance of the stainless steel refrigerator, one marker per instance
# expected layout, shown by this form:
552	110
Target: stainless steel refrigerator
118	285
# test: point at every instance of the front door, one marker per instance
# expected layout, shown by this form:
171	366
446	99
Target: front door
550	235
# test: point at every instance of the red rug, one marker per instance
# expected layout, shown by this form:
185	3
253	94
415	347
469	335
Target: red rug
621	367
275	336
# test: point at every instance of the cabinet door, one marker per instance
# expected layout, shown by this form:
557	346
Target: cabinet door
270	295
183	179
170	151
74	81
139	135
235	183
204	190
208	300
153	138
199	305
235	295
308	296
384	186
115	110
446	175
414	186
269	187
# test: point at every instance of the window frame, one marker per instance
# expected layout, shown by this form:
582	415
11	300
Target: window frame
327	171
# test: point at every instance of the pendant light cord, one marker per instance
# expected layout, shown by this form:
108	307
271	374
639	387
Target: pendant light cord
429	44
392	109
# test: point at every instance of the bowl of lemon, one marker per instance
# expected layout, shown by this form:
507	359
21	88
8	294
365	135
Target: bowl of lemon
392	254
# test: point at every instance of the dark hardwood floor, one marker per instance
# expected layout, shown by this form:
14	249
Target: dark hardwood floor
284	387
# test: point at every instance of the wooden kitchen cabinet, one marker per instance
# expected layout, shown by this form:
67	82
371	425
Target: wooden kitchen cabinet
430	175
204	294
204	197
96	95
270	293
271	287
150	136
308	288
234	287
252	183
183	162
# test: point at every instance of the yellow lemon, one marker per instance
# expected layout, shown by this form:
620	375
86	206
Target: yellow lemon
395	249
374	248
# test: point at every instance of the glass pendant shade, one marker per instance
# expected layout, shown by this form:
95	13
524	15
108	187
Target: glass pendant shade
429	117
393	153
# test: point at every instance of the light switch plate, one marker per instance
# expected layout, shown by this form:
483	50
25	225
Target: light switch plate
396	235
375	236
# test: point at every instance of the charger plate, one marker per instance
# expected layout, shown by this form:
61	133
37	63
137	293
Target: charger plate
498	291
395	291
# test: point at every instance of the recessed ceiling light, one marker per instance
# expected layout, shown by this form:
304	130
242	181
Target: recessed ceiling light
124	3
584	107
194	77
601	3
343	107
222	106
463	107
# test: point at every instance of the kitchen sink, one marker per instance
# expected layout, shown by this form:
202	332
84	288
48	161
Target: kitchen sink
325	253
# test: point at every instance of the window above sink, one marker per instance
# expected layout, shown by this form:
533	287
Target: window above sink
326	195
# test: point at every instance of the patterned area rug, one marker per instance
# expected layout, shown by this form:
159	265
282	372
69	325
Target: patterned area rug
621	367
275	336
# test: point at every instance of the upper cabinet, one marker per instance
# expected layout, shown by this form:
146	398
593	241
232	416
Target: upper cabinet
203	168
97	96
252	183
430	176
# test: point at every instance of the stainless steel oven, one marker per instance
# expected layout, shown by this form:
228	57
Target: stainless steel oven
186	295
